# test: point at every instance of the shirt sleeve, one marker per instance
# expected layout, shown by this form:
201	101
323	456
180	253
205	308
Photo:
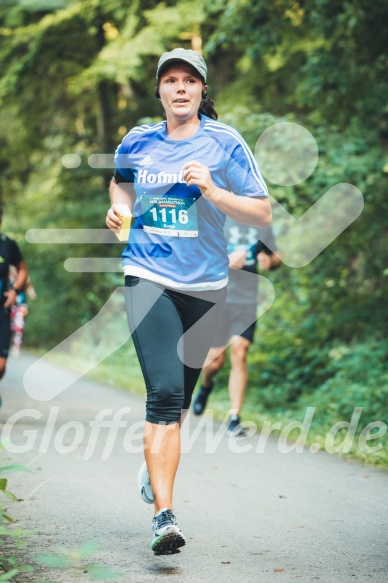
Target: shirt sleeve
243	174
122	163
120	178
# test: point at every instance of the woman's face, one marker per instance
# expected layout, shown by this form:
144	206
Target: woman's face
180	90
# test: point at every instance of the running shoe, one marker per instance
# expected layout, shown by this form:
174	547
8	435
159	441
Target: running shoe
144	484
235	427
168	537
201	398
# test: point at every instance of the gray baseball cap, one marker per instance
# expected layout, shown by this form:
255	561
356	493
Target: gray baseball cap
188	56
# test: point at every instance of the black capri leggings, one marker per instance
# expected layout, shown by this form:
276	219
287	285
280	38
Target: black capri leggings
158	318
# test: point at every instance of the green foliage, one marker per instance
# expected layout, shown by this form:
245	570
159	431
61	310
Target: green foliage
5	470
75	559
326	58
77	75
9	565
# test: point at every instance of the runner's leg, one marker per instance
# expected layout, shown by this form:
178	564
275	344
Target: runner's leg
155	338
169	381
238	376
162	454
216	360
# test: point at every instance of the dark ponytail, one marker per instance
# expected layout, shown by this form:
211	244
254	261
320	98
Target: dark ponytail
207	107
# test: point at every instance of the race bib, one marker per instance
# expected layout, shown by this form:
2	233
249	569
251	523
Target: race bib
170	216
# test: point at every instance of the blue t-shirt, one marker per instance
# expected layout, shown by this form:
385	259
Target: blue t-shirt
177	238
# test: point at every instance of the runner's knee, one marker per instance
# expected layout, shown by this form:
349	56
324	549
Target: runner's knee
238	353
165	404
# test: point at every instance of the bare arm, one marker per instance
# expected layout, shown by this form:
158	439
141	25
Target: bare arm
123	193
20	282
248	210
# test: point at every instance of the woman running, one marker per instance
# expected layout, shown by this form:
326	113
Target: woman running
180	177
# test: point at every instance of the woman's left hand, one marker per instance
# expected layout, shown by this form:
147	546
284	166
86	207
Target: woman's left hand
198	174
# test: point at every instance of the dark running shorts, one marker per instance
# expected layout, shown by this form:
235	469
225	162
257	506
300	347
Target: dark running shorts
5	332
238	320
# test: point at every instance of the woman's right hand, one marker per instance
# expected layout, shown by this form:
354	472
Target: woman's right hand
113	219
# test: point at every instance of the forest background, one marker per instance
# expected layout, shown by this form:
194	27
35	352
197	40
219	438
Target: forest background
78	75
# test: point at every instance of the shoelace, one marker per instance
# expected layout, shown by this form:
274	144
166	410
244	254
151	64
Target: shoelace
164	518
